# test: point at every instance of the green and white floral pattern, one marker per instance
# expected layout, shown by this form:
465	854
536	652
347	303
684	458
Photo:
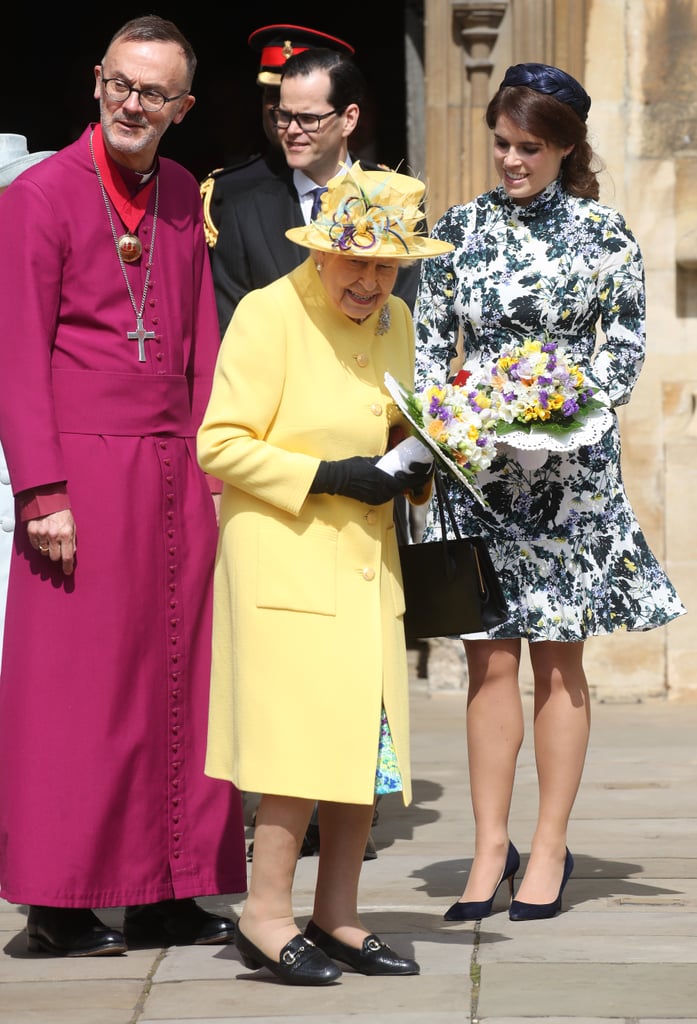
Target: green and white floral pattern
571	556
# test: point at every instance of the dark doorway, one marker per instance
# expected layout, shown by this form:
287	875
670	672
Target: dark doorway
47	61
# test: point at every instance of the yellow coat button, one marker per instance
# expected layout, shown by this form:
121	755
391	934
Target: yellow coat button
376	409
369	574
362	359
371	517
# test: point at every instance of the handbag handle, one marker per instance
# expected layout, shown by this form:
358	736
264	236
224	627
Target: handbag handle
444	506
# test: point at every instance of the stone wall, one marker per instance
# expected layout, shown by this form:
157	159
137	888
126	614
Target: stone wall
636	59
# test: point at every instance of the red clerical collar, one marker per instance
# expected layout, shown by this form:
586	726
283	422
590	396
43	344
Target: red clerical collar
130	208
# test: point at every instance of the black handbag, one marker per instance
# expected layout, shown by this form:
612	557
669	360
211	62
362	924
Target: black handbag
450	585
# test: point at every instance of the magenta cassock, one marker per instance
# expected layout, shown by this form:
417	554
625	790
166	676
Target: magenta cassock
105	674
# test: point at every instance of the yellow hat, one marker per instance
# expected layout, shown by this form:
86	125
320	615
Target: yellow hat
371	213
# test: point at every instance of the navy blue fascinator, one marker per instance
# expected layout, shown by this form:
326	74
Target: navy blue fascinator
553	81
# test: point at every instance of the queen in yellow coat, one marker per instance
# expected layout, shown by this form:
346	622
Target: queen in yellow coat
309	693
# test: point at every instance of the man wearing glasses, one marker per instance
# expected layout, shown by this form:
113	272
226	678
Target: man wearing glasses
275	44
106	371
318	111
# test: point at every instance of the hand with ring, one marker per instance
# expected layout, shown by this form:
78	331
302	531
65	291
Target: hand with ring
55	536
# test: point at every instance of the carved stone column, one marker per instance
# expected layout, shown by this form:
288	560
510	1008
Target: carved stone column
477	25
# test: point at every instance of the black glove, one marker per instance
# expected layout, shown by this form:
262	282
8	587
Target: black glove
359	478
419	475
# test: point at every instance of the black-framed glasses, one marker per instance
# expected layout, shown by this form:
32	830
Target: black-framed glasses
151	100
309	123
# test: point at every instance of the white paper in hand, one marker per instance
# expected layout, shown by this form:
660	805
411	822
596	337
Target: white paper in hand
400	458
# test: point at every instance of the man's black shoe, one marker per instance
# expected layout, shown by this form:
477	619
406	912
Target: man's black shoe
176	923
65	931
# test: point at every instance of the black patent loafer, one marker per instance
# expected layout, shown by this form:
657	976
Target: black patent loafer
64	931
374	957
300	962
176	923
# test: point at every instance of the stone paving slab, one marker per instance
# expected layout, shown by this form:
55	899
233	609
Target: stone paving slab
594	990
82	1001
253	994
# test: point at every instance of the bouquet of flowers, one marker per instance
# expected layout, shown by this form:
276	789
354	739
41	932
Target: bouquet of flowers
541	401
535	389
457	422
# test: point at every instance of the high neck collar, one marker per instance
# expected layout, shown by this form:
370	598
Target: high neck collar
539	207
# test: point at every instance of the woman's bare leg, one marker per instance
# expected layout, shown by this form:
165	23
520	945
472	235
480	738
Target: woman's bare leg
344	830
562	727
494	736
267	919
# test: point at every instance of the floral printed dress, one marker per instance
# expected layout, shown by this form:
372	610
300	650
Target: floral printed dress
569	551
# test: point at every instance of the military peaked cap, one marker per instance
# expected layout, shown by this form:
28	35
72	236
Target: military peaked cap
277	43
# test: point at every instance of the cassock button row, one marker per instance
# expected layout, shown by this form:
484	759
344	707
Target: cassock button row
368	574
376	409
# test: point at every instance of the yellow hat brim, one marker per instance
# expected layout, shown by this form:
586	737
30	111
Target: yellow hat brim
419	246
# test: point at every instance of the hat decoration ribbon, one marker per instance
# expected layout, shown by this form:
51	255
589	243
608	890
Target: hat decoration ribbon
360	223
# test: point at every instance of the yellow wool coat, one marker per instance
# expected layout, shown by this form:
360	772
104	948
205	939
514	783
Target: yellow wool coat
308	637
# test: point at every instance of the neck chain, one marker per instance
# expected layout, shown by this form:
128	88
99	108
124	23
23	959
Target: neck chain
140	334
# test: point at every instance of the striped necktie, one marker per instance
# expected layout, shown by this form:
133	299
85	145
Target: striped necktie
317	194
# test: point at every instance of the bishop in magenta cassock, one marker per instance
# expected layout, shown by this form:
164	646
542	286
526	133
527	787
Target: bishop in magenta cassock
106	361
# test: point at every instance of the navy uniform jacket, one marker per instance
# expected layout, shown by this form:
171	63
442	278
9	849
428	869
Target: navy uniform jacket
252	250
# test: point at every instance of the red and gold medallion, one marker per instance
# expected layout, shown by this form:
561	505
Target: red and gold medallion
130	248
